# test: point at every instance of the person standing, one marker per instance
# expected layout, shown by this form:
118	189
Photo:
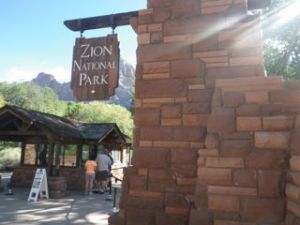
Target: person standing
90	168
103	164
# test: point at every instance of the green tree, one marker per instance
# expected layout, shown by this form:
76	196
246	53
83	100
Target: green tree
282	39
32	97
99	112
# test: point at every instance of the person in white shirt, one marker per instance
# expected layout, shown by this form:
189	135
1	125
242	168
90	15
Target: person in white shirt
103	164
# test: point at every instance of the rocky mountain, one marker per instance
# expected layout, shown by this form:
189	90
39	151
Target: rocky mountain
123	96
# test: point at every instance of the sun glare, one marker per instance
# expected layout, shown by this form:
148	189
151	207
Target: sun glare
285	14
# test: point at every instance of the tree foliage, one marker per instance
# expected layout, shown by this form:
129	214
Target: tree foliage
98	112
282	40
30	96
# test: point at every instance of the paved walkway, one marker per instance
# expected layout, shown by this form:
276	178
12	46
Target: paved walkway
74	209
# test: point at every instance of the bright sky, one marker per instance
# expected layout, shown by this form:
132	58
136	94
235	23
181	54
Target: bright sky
34	39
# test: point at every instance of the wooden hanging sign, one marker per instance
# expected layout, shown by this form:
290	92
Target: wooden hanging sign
95	68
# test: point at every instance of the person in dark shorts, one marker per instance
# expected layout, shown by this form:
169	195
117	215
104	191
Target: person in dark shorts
102	173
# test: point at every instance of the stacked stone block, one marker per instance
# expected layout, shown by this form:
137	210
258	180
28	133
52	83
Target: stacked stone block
242	171
184	47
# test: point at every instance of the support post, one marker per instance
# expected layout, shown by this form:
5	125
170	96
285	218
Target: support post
50	159
79	154
23	148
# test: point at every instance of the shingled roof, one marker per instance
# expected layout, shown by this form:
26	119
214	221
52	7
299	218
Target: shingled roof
60	126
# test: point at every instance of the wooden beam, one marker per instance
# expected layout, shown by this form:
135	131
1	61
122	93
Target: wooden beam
258	4
112	20
120	19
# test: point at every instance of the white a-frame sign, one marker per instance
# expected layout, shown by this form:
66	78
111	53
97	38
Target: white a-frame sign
39	186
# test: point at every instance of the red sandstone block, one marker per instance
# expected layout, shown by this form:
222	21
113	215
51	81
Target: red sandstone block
233	99
195	119
200	96
175	38
171	111
278	123
201	162
156	133
186	181
146	144
222	120
248	110
204	43
144	38
271	183
185	170
202	217
161	89
294	208
189	134
163	52
146	203
160	176
293	192
295	142
215	176
156	38
285	96
227	222
184	156
263	211
267	159
171	122
137	183
157	67
218	162
245	178
161	14
212	141
142	172
142	28
223	203
147	158
138	216
196	145
236	148
194	108
174	210
249	123
208	152
176	200
155	27
295	163
225	190
272	109
257	97
229	72
272	140
147	117
190	68
171	144
245	61
295	177
156	76
182	7
163	218
246	84
191	25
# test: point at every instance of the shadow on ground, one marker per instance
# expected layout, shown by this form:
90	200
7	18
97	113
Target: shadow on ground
74	209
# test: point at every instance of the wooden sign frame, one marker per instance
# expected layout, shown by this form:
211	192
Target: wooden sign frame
95	68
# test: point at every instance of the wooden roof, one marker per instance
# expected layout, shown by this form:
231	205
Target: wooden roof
17	123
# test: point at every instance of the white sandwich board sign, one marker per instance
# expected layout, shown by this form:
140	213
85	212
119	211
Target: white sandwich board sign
39	186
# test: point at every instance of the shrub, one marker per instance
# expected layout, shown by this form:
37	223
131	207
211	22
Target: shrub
9	158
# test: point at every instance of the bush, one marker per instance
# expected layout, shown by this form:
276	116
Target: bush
9	158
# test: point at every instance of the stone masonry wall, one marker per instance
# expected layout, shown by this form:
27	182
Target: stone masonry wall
244	170
184	47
